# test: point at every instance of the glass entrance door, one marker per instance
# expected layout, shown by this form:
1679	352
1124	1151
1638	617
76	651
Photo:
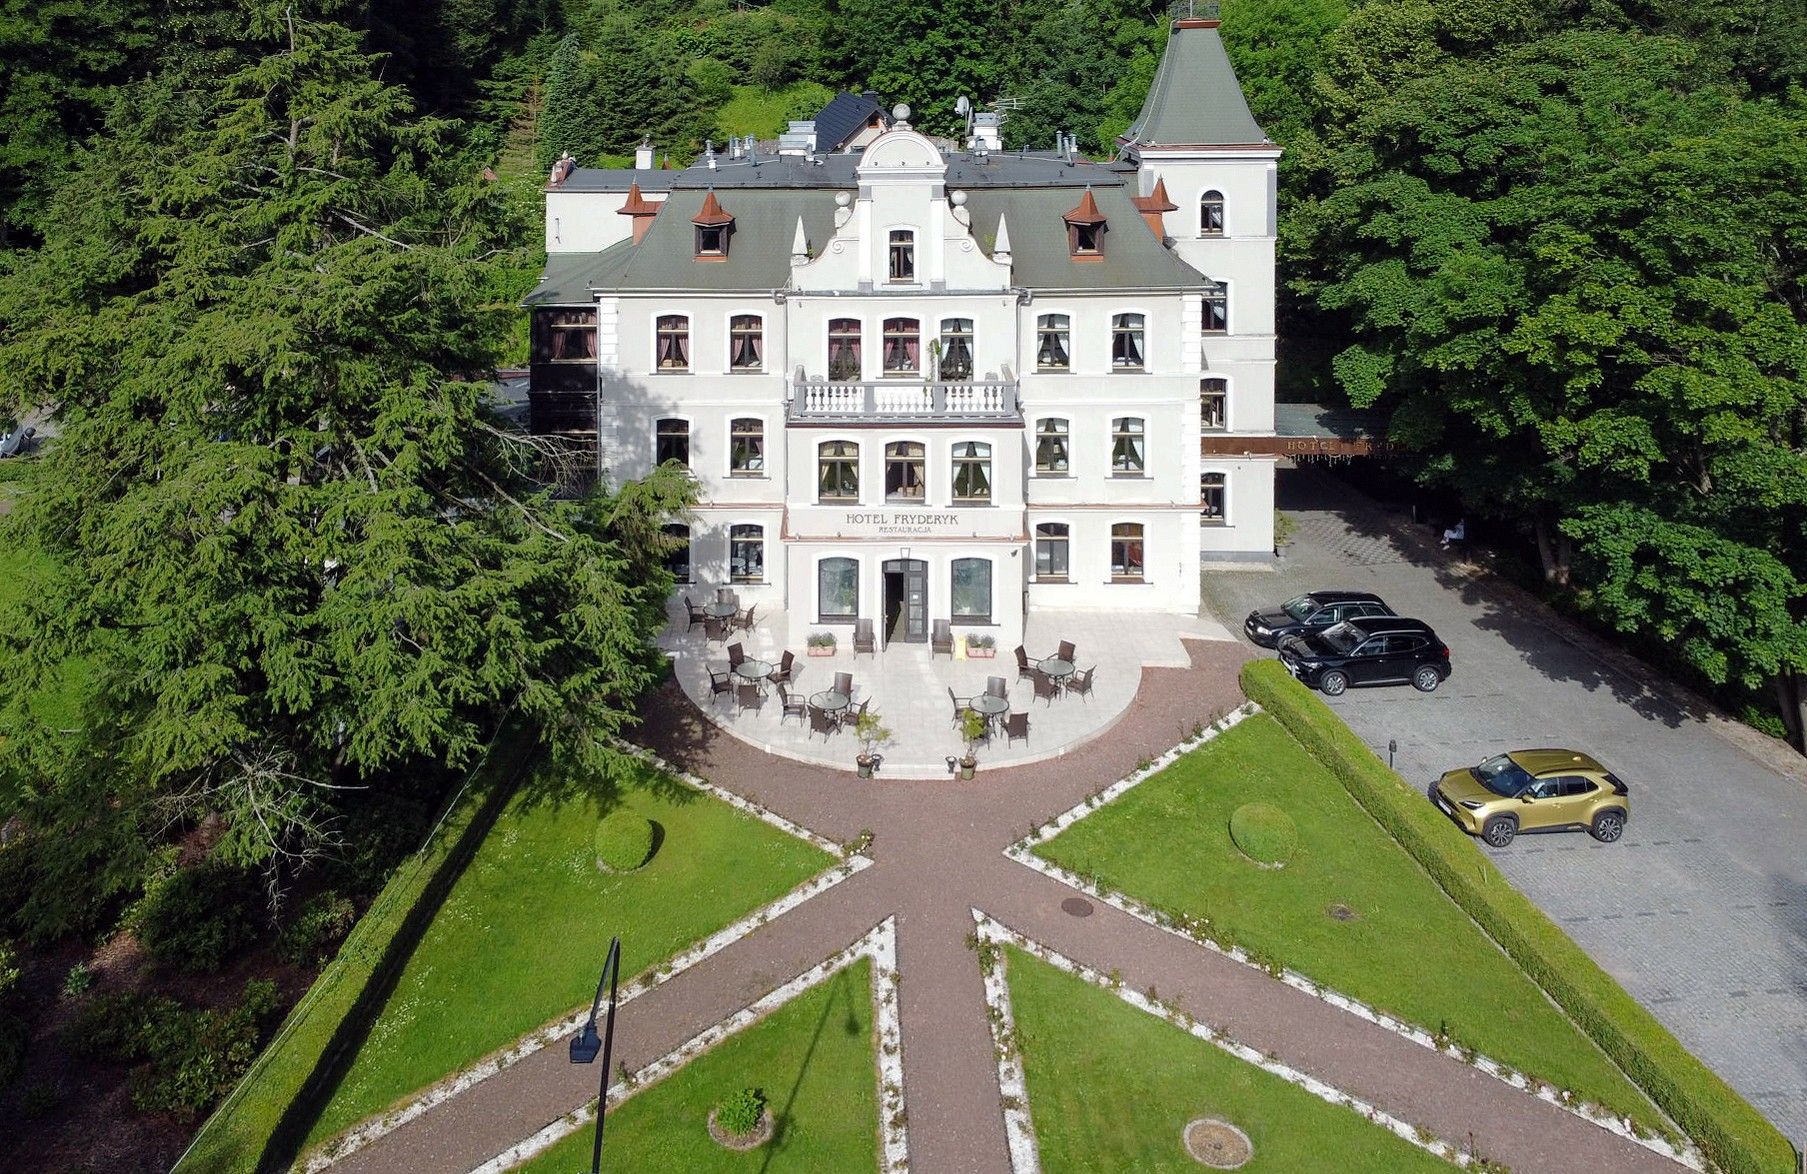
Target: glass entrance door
906	601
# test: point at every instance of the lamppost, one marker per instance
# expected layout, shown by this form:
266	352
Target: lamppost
585	1044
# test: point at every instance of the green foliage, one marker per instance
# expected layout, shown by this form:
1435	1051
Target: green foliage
972	729
193	919
739	1114
624	840
1264	833
567	121
1732	1134
77	981
321	922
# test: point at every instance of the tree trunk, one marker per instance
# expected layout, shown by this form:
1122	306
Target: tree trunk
1554	550
1791	699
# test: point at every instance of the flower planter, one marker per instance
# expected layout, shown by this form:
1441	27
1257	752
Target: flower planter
981	653
864	765
967	766
820	650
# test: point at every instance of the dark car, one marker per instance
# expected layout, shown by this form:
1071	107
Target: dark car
1315	609
1375	650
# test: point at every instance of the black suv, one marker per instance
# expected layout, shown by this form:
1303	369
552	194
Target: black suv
1376	650
1315	609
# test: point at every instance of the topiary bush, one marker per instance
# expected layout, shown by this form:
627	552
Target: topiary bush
1264	833
624	841
739	1114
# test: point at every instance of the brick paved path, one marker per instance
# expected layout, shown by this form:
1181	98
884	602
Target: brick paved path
938	853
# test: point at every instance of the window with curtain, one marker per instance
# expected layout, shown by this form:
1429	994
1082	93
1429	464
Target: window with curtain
1210	214
837	590
746	342
903	255
903	471
746	553
1129	456
1213	404
673	343
971	593
565	336
844	348
672	442
746	447
838	470
972	471
677	554
1216	316
1051	550
903	346
1126	342
1211	493
1126	551
1054	342
956	349
1051	446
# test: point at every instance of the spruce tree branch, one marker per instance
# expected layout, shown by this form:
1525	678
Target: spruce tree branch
507	497
368	231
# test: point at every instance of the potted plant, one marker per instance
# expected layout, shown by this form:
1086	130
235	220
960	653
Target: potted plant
972	728
821	644
1284	529
870	729
980	646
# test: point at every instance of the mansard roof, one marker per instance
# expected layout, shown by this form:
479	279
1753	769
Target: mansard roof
1195	100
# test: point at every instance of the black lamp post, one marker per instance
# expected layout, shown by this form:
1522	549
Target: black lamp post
585	1044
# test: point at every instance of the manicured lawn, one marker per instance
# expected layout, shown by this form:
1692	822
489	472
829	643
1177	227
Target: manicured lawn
1408	950
1112	1088
522	935
814	1060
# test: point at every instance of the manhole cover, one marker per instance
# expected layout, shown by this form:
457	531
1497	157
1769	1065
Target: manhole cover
1077	906
1341	912
1218	1144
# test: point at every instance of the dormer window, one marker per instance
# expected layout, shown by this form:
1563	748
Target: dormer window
1085	230
903	255
711	241
1085	238
713	228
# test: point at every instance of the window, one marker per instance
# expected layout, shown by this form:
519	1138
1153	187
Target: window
673	349
1211	497
1213	404
1126	342
746	553
746	447
838	470
972	471
1126	552
1051	446
1573	785
1086	239
903	255
746	342
956	349
1051	542
903	471
1216	318
1210	214
1054	342
1129	454
672	442
711	240
566	336
677	555
972	589
837	590
844	348
903	346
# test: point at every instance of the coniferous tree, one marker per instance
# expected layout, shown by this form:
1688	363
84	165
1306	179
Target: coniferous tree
568	122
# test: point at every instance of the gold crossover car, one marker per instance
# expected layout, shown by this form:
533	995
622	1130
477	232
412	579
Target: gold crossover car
1534	791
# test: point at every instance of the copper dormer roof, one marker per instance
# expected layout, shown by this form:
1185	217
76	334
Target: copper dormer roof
637	204
712	215
1155	201
1087	212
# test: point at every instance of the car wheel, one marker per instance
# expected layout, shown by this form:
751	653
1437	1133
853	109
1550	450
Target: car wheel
1332	683
1426	679
1608	826
1499	831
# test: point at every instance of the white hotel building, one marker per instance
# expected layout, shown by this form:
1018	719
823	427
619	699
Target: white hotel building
917	382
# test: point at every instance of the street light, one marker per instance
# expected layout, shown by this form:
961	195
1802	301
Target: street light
585	1044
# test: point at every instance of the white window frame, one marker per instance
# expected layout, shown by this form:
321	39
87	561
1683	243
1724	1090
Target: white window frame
765	448
765	338
689	367
764	551
1110	536
1223	213
1035	444
828	345
1035	575
1068	369
991	594
908	230
1229	324
1110	354
1224	519
859	471
1229	395
690	436
815	585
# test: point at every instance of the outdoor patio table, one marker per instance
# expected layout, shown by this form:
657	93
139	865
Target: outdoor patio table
992	707
829	701
1056	668
753	670
719	610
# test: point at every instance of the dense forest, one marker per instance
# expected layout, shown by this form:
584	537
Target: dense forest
281	577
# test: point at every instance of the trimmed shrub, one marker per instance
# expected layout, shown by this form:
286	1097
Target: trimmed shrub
193	919
1264	833
1732	1134
739	1114
321	922
624	841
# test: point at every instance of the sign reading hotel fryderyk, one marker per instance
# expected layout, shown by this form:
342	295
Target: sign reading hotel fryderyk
825	522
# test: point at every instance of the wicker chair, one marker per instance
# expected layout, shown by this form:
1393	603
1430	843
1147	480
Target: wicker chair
744	621
943	639
960	705
782	674
737	652
1081	683
1024	664
713	629
863	640
719	683
694	612
997	686
1045	688
1067	650
820	722
843	683
748	695
1016	726
792	705
851	716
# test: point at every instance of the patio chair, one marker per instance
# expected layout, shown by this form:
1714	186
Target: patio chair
851	716
792	705
782	674
1023	664
821	722
737	652
943	640
713	629
1081	683
863	640
694	612
843	683
1066	650
1045	688
726	595
1016	726
719	683
744	621
960	705
997	686
747	695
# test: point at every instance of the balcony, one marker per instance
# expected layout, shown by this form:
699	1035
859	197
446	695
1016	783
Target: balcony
819	401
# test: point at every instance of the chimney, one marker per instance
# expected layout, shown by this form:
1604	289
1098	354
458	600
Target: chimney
1153	206
709	152
561	170
640	209
643	156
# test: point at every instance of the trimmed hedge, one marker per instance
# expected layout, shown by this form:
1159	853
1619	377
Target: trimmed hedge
624	840
1732	1134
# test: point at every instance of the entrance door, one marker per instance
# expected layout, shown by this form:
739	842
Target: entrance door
906	600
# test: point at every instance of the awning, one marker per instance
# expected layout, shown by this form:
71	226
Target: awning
1308	430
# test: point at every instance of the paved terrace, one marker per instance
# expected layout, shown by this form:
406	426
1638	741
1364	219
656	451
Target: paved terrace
908	687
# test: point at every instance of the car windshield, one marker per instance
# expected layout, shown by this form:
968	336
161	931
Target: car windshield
1301	608
1503	776
1342	638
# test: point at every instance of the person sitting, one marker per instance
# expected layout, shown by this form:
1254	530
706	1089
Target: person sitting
1456	533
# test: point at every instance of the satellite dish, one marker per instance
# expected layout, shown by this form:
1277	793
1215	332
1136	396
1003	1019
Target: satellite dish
962	107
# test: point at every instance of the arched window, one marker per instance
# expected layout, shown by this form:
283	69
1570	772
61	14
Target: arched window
903	255
1051	453
746	447
956	363
1216	316
1054	342
1129	453
746	553
903	346
1213	404
1126	552
972	471
837	590
746	343
673	342
677	553
971	594
1126	342
672	442
838	470
1210	214
844	348
1052	541
1212	489
903	471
